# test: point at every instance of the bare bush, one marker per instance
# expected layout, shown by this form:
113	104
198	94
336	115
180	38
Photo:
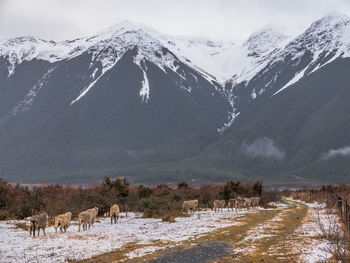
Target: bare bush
337	239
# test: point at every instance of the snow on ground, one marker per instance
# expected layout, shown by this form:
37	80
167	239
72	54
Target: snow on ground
278	204
313	247
17	246
261	231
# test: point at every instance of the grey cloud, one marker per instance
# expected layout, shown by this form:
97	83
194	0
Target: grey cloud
264	147
225	19
340	151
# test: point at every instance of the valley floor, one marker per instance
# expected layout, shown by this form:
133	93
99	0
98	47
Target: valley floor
288	233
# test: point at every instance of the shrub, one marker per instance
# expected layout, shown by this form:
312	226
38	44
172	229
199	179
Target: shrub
4	214
153	207
269	196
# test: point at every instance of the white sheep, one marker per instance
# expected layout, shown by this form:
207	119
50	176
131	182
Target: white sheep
63	221
114	213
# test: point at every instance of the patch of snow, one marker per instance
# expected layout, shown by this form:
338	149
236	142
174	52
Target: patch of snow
313	248
295	79
278	204
144	92
232	117
26	103
140	252
86	90
16	245
253	95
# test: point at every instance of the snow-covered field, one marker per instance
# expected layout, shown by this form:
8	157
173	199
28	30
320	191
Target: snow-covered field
152	234
316	249
17	246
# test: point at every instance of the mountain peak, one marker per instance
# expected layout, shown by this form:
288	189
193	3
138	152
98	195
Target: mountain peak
331	21
127	26
335	16
265	39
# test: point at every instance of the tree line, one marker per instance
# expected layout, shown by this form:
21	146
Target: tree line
19	201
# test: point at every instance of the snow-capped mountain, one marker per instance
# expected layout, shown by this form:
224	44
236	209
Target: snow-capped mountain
294	112
130	97
283	60
106	48
119	97
326	39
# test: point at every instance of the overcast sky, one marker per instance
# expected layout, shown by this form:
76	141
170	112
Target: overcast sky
217	19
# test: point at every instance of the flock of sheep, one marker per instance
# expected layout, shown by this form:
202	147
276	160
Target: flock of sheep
87	218
239	202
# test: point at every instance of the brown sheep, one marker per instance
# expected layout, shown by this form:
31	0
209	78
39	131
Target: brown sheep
63	221
114	213
38	222
93	212
84	219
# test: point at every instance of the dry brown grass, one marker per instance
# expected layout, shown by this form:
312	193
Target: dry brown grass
23	226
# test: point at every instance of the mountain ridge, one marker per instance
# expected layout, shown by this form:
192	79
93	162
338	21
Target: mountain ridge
135	102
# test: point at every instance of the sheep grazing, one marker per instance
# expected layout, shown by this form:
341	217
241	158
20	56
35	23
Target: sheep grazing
248	202
84	219
233	203
38	222
114	213
93	212
190	205
255	201
63	221
236	203
219	204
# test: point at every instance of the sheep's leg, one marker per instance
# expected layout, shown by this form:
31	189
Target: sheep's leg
44	231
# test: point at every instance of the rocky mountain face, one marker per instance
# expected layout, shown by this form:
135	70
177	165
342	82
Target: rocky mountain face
130	101
293	121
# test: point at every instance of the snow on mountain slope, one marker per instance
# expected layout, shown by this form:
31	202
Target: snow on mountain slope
202	53
253	55
228	61
106	47
215	60
326	39
222	61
